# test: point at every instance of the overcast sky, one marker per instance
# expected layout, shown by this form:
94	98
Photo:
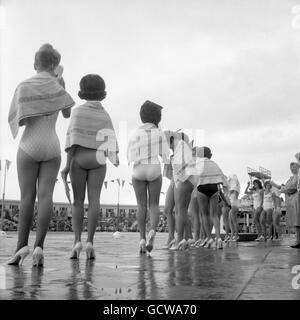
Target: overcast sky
227	68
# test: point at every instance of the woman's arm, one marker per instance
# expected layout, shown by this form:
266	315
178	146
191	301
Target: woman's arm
70	154
223	196
246	190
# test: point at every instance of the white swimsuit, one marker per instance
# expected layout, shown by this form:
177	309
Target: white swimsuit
234	201
256	200
268	201
39	139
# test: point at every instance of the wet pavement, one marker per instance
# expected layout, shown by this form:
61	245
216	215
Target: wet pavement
247	270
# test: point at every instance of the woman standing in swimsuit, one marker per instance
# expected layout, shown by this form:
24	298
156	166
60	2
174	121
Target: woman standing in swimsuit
146	145
268	208
36	104
258	199
209	193
86	157
234	191
225	214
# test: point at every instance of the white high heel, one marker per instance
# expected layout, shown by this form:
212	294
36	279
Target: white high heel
219	243
182	245
90	252
169	245
142	246
38	257
19	256
149	245
75	253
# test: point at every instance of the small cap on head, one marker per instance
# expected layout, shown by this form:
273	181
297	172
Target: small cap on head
92	87
150	112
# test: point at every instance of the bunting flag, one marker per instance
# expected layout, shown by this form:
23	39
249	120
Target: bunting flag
118	180
112	180
105	184
8	163
123	182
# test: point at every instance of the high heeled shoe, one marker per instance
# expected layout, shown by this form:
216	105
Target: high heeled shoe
180	246
169	244
219	243
90	252
38	257
149	244
19	256
210	243
203	243
143	246
75	253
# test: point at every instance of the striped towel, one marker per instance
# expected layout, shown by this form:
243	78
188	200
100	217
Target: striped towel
234	184
39	95
148	142
209	172
183	162
91	127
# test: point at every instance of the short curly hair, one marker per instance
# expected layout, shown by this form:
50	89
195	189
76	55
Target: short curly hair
46	57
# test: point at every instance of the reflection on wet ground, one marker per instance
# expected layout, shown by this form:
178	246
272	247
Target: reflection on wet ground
247	270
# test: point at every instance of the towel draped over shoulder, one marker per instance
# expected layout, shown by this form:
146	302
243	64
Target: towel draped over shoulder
37	96
146	143
91	127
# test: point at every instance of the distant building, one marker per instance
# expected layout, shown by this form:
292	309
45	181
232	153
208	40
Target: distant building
64	209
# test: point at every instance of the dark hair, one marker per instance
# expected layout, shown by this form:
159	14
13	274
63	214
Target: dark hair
257	182
92	87
267	183
150	112
205	152
46	57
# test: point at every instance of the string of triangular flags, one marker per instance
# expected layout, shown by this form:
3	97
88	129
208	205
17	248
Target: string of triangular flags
118	180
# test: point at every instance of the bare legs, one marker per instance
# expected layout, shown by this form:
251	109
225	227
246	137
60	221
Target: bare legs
276	221
257	213
93	179
144	191
78	179
225	213
269	222
183	193
46	181
168	212
234	221
193	212
30	173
